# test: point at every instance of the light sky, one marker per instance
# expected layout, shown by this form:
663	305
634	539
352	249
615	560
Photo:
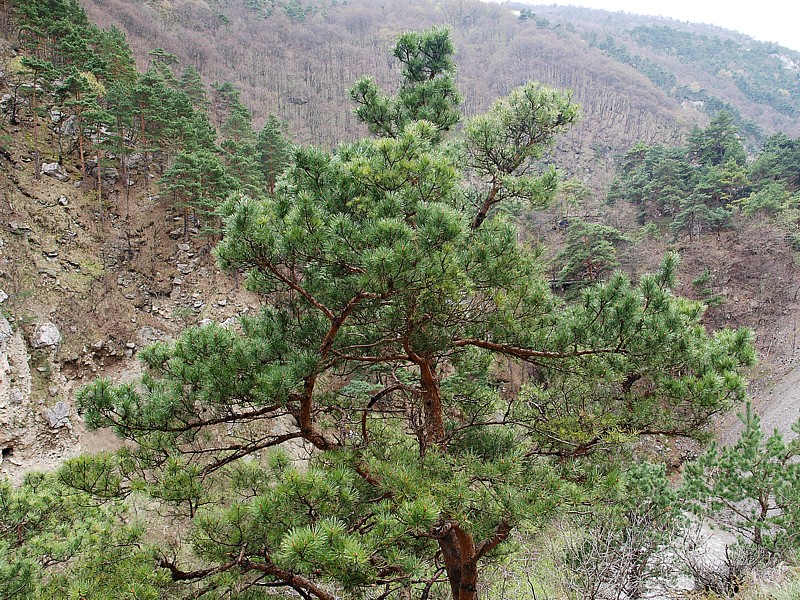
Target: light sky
766	20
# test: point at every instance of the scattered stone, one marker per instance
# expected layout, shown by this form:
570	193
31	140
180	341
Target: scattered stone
46	335
17	396
130	345
230	322
62	200
58	415
53	253
3	296
222	302
205	322
198	305
54	170
18	227
53	391
184	247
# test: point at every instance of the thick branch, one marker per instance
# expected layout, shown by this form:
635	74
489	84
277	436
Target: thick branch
297	288
501	533
491	200
290	578
528	354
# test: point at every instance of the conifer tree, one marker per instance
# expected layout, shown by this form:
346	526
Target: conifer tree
396	291
191	84
751	488
198	183
42	72
274	151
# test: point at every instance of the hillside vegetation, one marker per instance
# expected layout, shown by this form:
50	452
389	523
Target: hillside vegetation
449	339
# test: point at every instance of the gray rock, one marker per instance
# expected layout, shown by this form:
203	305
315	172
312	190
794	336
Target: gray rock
230	322
62	200
67	126
54	170
19	227
45	335
205	322
58	415
6	334
17	396
133	161
146	335
3	296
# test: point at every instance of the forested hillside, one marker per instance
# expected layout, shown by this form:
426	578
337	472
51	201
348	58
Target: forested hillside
300	68
472	343
625	71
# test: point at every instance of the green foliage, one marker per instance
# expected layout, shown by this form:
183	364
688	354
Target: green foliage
695	188
779	161
395	296
273	150
751	488
427	91
56	542
198	181
590	252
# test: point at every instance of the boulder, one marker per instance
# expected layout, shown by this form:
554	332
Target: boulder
146	335
66	126
54	170
58	415
109	175
46	335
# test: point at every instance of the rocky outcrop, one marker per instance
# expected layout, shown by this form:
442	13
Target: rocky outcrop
15	391
46	335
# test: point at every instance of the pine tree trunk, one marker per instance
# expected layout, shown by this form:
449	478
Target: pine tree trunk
79	124
461	564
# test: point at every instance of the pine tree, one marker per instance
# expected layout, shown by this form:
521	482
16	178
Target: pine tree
751	488
42	73
395	293
198	182
192	85
274	151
